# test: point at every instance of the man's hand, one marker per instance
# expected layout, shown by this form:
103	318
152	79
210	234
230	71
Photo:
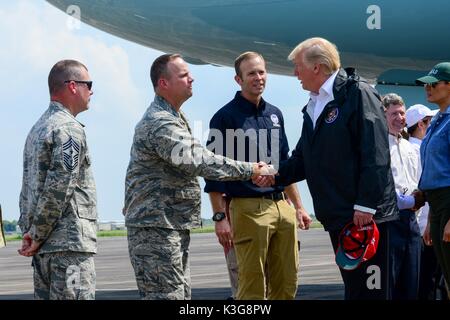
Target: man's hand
223	233
264	181
263	174
26	243
257	169
362	218
303	219
446	237
263	169
419	199
268	170
29	247
427	235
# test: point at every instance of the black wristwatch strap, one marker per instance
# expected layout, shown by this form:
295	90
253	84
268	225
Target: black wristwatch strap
218	216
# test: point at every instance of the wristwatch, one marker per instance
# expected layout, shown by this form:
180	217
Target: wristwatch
218	216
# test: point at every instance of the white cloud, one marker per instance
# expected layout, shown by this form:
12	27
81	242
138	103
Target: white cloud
38	36
34	37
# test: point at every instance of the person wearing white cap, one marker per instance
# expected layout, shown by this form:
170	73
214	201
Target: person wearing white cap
418	118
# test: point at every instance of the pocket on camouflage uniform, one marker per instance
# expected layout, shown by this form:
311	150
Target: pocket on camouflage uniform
187	194
185	199
146	268
85	205
87	214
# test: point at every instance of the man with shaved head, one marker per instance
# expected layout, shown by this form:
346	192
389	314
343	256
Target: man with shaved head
58	215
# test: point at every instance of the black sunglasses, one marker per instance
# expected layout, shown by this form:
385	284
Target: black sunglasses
87	83
434	84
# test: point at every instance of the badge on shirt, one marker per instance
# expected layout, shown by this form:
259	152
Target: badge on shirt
275	120
71	153
331	115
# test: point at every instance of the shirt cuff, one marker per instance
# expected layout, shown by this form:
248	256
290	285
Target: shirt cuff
249	171
364	209
405	202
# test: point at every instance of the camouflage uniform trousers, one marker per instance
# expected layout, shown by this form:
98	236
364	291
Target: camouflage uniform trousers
160	258
65	275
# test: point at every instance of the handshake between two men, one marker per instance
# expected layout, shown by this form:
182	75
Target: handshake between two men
263	174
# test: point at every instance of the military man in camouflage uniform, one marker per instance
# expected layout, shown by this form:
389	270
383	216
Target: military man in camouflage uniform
162	193
58	213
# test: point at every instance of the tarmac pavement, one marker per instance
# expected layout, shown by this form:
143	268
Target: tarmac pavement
319	277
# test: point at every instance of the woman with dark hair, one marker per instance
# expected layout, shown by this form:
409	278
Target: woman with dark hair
435	158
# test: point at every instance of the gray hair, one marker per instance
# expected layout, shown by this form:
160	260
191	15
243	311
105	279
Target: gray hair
62	71
391	99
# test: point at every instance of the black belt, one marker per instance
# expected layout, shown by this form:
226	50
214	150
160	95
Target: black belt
276	196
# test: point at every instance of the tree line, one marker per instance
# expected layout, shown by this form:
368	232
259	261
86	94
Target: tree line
9	226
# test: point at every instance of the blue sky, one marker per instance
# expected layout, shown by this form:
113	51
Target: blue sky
35	36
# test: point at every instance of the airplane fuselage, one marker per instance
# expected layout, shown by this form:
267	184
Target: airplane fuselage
373	36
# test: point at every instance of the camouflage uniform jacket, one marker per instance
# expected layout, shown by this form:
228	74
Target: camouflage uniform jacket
161	187
58	197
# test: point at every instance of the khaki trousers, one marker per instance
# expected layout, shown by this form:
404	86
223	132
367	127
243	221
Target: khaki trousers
265	240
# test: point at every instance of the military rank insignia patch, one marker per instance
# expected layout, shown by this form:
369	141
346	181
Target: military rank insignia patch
331	115
71	154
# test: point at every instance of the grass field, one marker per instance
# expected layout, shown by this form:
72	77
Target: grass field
116	233
15	237
123	233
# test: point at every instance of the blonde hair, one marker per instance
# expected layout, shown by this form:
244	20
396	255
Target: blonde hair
318	50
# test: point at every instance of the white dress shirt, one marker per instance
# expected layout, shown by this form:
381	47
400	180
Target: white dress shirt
317	102
405	166
422	213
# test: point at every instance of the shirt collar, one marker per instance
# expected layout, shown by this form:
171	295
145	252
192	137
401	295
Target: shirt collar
248	106
397	138
162	103
415	140
447	110
326	90
60	107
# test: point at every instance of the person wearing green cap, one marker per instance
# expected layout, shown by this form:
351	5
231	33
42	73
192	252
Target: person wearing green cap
435	158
